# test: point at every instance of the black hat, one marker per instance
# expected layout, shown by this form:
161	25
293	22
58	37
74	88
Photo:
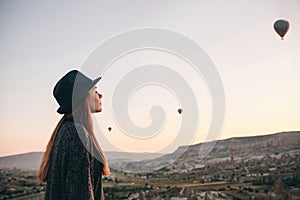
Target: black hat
71	90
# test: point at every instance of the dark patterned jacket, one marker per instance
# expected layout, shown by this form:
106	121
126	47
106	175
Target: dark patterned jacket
74	172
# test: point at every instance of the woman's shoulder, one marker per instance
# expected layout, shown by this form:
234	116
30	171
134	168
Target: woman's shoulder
73	131
71	126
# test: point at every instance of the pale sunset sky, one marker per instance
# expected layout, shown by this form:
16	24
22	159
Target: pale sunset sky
42	40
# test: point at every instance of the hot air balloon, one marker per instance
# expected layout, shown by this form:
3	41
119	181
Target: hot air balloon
109	129
281	27
179	110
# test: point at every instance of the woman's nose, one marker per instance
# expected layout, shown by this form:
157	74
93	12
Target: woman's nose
100	95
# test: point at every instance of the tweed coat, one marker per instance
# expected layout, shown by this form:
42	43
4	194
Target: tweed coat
74	171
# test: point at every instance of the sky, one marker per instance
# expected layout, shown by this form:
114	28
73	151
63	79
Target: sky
42	40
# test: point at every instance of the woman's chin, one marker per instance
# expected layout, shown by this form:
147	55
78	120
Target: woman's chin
96	110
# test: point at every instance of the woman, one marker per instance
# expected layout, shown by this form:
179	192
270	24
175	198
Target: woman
73	163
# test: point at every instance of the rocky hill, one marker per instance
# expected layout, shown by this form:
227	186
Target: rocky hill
239	149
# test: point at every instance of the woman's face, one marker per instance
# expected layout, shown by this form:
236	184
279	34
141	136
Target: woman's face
94	99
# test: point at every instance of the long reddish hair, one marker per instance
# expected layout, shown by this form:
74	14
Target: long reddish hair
83	116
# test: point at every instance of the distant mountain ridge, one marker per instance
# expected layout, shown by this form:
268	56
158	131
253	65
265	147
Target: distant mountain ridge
24	161
244	148
32	160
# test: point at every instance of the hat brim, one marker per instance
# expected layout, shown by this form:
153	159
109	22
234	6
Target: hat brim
78	96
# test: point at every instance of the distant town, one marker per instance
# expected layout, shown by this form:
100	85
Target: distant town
260	167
